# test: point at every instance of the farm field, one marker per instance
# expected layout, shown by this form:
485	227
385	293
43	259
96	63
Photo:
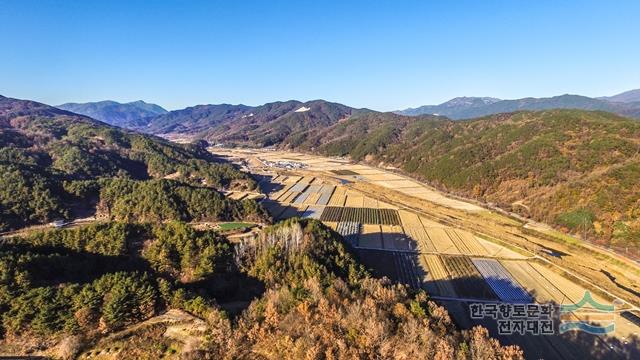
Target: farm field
501	282
536	284
350	230
393	238
437	277
313	212
441	240
370	237
463	250
466	279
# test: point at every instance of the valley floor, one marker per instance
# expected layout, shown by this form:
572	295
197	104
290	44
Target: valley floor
458	251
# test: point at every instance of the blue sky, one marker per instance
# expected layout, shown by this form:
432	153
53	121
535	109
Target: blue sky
383	55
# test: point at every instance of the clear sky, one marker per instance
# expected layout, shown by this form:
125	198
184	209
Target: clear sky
383	55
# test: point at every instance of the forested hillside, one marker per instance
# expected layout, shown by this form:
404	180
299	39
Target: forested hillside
264	125
577	169
468	108
63	292
54	163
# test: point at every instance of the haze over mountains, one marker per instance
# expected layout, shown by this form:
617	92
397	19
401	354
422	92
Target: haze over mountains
222	121
627	104
113	112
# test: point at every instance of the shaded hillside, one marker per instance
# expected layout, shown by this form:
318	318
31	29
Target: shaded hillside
261	125
113	112
576	169
53	161
457	109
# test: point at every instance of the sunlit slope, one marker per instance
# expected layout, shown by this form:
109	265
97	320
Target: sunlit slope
578	169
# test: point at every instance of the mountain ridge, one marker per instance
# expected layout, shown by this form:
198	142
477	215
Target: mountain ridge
113	112
457	110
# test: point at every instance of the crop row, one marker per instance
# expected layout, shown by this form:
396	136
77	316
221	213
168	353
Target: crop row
408	269
501	282
350	231
438	277
466	279
361	215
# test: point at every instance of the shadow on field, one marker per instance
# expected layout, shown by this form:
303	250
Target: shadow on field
266	184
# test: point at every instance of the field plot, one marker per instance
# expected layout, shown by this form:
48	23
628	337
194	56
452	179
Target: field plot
438	277
307	179
370	203
354	200
289	197
350	231
311	189
389	217
536	284
413	228
466	242
313	212
312	199
344	172
501	282
408	269
370	237
572	291
299	187
338	197
371	171
393	238
404	184
325	194
466	279
361	215
278	194
331	213
292	179
441	241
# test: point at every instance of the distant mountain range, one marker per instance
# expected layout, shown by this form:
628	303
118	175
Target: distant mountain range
630	96
264	125
113	112
627	104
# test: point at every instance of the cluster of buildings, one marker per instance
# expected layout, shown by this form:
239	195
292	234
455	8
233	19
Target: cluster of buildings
284	164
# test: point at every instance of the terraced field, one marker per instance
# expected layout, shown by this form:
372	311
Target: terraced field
438	277
466	242
338	197
408	269
419	215
361	215
441	241
536	284
370	237
313	212
466	279
394	238
501	282
350	231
